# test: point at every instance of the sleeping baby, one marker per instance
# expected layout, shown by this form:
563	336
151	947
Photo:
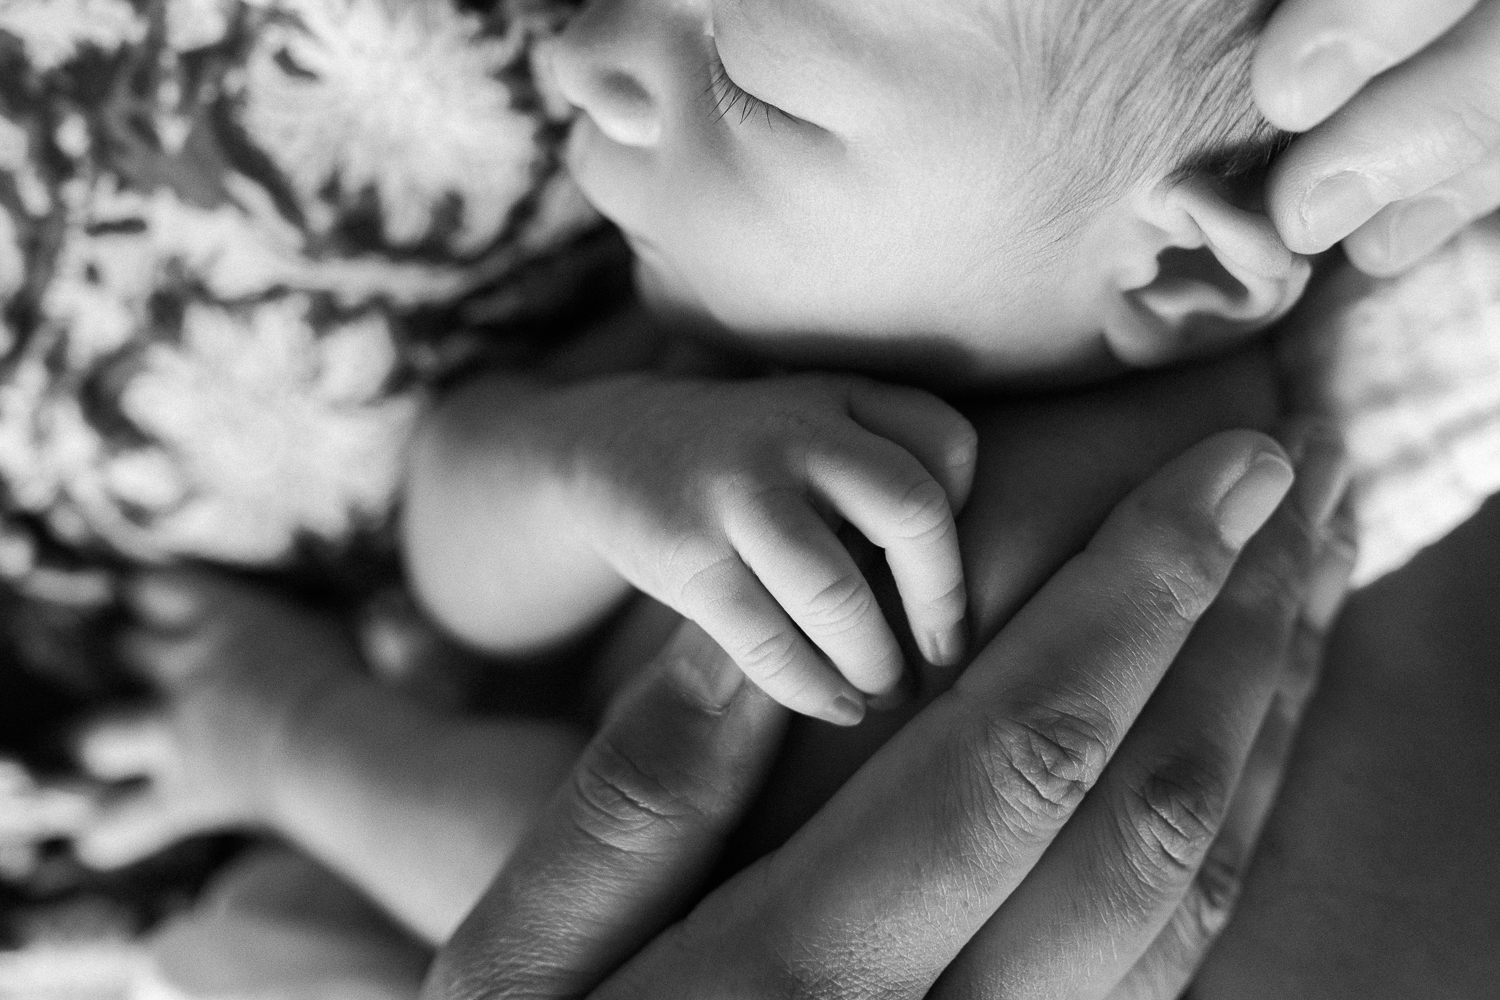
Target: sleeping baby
969	195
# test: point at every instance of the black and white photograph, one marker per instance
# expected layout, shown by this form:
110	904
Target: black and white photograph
749	499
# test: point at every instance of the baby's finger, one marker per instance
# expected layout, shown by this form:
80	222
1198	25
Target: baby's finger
940	437
131	829
885	493
1316	54
166	658
805	568
165	599
120	747
1406	232
1418	126
727	601
967	798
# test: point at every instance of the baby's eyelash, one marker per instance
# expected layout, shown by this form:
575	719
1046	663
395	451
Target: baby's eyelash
730	98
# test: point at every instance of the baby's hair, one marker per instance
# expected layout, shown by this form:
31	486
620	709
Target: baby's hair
1136	88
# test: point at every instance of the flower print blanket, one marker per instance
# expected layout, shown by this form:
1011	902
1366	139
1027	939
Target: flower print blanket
243	242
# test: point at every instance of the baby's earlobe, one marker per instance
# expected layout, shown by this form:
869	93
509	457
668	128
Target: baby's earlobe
1196	274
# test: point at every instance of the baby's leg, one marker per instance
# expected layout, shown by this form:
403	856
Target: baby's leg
268	722
276	924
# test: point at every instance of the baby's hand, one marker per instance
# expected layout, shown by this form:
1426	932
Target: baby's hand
716	498
232	667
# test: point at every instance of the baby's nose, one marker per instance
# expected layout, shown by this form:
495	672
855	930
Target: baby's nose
619	101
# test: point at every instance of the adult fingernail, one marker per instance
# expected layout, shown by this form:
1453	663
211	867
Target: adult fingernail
1336	207
1415	229
1325	78
1329	587
1322	474
1253	498
845	711
164	600
701	667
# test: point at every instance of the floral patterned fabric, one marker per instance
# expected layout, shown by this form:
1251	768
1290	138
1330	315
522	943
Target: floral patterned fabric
225	223
241	244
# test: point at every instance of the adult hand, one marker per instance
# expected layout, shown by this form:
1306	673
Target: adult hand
1404	105
939	842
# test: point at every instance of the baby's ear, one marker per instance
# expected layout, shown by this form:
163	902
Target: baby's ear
1193	273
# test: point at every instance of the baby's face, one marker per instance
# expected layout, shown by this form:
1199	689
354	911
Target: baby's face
853	182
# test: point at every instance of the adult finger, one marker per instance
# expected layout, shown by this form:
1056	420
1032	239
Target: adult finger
877	894
940	437
1316	54
881	489
1406	232
809	572
1115	875
1167	968
627	841
736	610
1432	119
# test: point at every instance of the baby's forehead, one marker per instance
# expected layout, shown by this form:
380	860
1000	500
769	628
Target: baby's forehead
908	39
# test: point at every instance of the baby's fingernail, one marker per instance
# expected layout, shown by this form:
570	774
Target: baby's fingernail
1412	231
1336	207
165	600
945	647
845	711
1253	498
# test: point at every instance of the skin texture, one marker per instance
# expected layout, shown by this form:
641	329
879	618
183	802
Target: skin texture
1405	117
533	509
264	719
797	922
856	185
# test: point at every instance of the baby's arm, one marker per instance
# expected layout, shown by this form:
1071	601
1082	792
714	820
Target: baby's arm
267	722
530	510
489	538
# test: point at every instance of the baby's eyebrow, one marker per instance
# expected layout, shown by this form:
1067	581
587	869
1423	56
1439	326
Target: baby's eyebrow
829	39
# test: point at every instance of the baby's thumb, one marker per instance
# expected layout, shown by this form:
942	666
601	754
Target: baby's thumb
129	830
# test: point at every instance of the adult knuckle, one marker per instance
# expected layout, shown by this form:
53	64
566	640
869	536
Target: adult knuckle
619	797
1212	899
1273	583
1171	818
1034	760
1174	589
1476	116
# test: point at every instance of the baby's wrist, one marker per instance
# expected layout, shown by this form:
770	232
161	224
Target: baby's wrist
310	730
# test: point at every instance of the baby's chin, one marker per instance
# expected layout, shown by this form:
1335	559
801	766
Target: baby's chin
935	361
